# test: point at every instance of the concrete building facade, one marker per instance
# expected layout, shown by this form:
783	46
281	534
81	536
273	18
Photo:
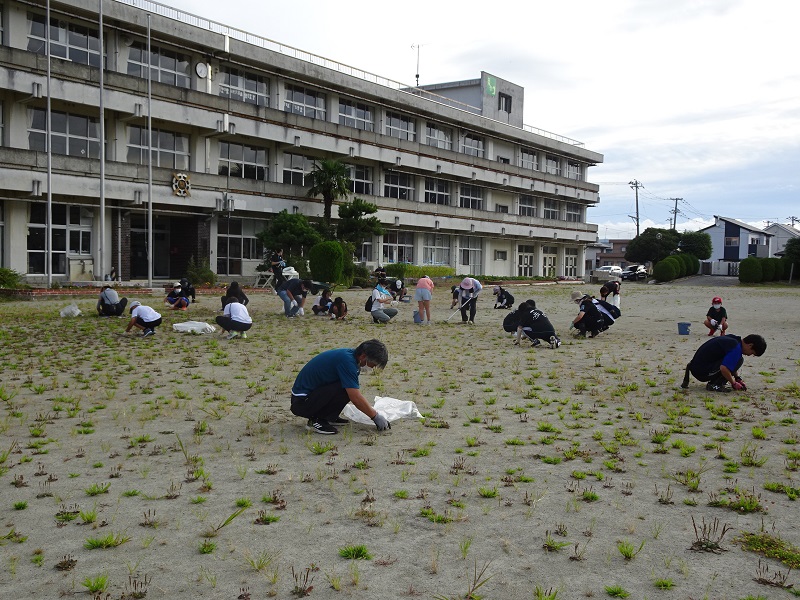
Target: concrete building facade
237	124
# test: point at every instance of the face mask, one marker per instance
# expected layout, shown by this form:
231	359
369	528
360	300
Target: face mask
177	290
716	305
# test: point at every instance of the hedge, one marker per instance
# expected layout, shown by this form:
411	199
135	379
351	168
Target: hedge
750	270
326	262
665	270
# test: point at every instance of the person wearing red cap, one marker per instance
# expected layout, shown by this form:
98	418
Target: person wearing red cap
716	317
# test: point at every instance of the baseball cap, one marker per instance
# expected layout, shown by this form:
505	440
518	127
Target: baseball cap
496	290
716	300
177	284
134	304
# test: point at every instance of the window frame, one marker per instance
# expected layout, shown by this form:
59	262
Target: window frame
574	170
438	136
473	145
37	137
261	168
365	122
161	71
400	126
67	219
504	102
501	255
398	247
437	191
470	250
552	165
528	205
295	170
436	249
158	151
574	213
297	100
399	185
470	196
551	209
529	163
65	37
242	90
245	246
361	179
732	242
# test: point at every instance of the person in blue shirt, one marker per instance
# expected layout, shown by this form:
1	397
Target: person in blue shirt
330	380
718	361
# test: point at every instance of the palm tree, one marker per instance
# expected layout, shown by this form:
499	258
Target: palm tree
331	180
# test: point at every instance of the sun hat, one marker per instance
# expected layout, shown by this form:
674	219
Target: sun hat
716	300
177	284
467	283
576	295
496	290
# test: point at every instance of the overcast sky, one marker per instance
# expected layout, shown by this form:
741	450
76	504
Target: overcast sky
695	99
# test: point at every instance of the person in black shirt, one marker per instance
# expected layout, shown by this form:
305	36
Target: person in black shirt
294	290
234	291
504	298
535	325
716	317
277	264
589	319
718	361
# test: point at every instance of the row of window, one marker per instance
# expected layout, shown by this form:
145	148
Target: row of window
81	44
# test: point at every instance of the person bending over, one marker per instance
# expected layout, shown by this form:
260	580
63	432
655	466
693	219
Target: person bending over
589	319
504	298
235	319
144	318
717	362
535	325
109	303
330	380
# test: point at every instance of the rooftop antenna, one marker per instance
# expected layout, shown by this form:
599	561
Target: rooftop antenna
417	47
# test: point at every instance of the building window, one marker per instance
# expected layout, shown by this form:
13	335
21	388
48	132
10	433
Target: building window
755	241
361	179
2	115
170	149
296	169
356	114
244	86
242	161
71	234
503	160
529	159
398	247
527	205
67	40
471	254
303	101
401	126
233	247
575	170
731	241
549	261
437	191
504	103
71	135
436	249
438	137
473	145
551	209
552	165
571	262
501	254
366	252
166	66
470	196
501	208
574	213
399	185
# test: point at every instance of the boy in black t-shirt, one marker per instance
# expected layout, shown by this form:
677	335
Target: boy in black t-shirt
718	361
589	318
716	317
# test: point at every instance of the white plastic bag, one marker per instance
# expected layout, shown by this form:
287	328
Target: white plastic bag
391	408
70	311
194	327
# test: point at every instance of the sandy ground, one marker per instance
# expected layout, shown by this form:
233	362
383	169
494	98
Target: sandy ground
519	444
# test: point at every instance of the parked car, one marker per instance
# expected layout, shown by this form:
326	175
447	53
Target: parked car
634	273
610	270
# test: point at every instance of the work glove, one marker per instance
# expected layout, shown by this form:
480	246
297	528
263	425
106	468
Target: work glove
742	386
380	422
571	326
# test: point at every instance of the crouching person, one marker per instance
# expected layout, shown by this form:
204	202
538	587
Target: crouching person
330	380
535	325
235	319
717	362
144	318
109	303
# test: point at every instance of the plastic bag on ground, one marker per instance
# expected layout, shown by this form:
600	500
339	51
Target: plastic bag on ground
71	310
194	327
391	408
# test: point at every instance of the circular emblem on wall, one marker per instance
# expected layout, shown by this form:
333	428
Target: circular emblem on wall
181	186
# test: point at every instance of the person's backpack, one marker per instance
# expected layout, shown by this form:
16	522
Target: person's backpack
612	310
368	304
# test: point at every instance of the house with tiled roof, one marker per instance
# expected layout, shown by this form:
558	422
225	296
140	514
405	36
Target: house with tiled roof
733	241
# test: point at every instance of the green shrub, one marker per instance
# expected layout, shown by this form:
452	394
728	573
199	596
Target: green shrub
403	270
300	264
787	269
750	270
777	264
9	278
680	268
327	262
767	269
665	270
200	273
695	264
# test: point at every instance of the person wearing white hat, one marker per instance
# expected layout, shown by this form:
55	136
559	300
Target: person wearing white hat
468	294
144	318
176	299
504	298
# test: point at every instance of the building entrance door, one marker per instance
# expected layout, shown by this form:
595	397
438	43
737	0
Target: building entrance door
526	261
139	247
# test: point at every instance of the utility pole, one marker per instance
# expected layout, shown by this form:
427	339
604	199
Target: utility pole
675	213
793	219
635	185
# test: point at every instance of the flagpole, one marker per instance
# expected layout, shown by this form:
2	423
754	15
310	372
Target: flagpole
102	245
149	162
49	218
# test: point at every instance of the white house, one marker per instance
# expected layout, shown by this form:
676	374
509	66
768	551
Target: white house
733	241
781	235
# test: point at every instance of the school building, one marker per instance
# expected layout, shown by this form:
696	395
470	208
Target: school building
237	122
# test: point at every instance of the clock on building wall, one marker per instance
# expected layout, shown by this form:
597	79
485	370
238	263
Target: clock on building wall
201	69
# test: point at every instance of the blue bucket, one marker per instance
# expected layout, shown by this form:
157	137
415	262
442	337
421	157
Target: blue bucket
683	328
417	318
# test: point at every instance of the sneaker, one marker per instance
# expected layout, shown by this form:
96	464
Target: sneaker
711	332
471	322
321	426
716	387
536	342
340	421
232	335
243	335
148	332
554	342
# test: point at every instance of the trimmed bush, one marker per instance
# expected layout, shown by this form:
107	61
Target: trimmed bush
777	263
200	273
686	259
403	270
767	269
695	264
750	270
326	261
680	268
665	270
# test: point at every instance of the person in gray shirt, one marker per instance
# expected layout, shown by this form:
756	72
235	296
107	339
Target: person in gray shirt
109	303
